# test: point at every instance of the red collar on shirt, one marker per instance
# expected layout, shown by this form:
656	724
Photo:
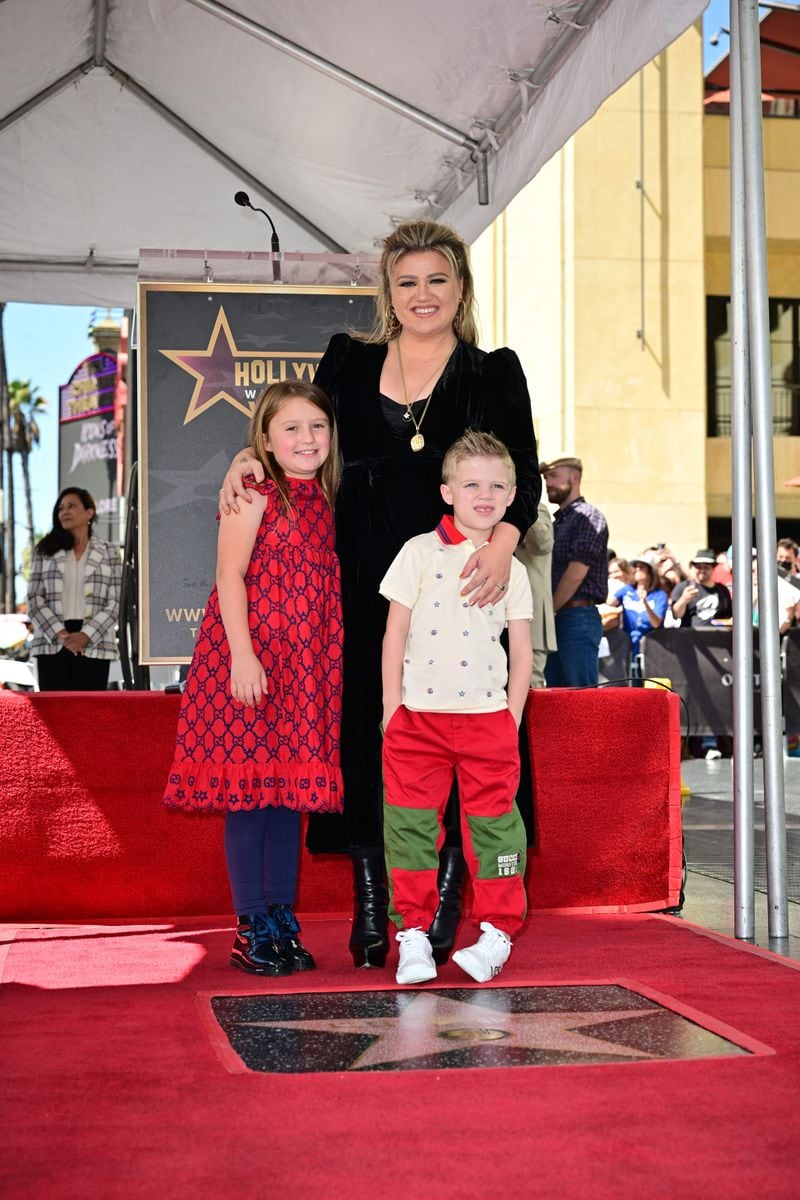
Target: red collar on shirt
451	536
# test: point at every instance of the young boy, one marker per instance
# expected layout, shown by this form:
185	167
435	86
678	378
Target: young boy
445	711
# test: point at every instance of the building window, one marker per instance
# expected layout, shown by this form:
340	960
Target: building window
784	334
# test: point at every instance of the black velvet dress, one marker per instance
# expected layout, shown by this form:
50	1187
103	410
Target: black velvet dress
388	495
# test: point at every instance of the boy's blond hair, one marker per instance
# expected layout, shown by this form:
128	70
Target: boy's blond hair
474	444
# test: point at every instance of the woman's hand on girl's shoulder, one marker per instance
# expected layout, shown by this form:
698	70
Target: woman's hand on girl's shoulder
233	486
248	680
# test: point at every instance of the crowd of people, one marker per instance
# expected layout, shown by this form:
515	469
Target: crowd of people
653	590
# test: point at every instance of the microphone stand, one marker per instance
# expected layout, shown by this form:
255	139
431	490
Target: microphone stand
243	199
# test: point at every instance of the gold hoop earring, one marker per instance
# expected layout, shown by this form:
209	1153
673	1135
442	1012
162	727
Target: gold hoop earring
458	319
394	325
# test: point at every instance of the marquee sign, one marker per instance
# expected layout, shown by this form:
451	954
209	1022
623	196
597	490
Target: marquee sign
87	438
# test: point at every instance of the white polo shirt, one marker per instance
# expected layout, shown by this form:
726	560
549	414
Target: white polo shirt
453	660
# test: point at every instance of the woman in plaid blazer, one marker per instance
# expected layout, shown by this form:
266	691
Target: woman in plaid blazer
73	599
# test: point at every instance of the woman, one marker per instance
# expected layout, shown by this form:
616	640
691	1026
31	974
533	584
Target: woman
644	603
401	396
73	598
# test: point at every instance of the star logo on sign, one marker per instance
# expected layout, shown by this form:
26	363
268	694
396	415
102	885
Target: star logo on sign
224	372
212	370
182	489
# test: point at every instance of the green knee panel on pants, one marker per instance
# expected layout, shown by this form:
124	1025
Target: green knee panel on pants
498	844
410	836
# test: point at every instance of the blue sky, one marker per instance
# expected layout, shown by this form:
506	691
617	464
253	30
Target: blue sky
44	343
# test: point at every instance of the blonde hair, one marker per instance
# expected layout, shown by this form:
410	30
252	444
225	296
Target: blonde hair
268	405
412	237
474	444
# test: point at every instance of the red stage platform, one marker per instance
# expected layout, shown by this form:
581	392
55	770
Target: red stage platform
83	833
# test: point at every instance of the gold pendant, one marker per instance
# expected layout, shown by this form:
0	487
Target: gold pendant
417	442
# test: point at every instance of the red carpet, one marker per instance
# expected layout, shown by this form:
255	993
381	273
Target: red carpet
112	1088
83	833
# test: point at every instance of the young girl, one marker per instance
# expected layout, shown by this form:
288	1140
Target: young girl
258	733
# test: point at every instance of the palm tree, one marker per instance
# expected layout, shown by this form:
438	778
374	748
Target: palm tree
24	405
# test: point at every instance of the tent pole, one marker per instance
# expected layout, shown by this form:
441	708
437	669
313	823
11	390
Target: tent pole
760	380
214	152
46	94
742	512
100	26
339	74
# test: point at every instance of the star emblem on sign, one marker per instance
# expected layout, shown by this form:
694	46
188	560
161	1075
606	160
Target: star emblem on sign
223	372
212	369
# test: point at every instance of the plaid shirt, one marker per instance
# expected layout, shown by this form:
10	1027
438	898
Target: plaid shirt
581	535
102	582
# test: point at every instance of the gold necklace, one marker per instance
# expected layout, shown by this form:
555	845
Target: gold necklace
418	441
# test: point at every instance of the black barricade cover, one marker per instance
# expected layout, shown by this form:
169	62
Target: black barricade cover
615	666
699	664
206	354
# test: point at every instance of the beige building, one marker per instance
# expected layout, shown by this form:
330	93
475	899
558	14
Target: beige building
600	274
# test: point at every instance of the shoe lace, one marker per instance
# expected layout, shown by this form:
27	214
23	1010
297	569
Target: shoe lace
493	942
284	920
410	935
264	926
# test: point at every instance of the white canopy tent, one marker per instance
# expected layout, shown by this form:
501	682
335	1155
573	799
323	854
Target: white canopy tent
131	123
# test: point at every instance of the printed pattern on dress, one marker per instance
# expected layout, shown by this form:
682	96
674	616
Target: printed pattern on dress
284	751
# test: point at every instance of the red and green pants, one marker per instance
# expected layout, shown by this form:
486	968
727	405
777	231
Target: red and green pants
422	751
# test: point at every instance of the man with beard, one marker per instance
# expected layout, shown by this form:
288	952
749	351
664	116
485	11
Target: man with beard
580	575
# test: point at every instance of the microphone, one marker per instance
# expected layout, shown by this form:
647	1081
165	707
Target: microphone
242	199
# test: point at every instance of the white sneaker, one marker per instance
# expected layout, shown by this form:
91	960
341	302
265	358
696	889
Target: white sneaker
487	957
416	957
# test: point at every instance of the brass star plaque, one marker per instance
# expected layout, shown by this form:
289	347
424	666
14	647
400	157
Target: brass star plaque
449	1028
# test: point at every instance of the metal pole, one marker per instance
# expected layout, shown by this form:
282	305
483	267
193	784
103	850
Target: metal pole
760	379
239	172
339	74
742	512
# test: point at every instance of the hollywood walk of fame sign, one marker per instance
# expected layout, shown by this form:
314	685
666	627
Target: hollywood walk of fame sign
206	353
448	1028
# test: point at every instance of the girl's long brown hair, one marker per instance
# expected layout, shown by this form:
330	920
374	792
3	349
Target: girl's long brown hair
268	405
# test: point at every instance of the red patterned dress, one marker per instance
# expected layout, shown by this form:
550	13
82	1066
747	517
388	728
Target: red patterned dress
284	751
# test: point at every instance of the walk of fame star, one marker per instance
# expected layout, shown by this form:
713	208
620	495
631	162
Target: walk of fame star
442	1029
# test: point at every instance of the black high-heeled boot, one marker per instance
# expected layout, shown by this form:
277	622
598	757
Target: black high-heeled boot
369	939
442	933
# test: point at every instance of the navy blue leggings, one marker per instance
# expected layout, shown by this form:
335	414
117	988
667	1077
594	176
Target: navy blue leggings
262	850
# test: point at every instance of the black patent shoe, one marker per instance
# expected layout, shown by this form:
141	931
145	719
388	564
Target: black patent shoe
293	950
442	933
369	939
256	948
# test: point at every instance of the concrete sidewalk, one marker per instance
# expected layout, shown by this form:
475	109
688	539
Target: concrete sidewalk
708	834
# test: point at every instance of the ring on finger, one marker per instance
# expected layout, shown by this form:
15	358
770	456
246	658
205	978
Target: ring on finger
502	587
